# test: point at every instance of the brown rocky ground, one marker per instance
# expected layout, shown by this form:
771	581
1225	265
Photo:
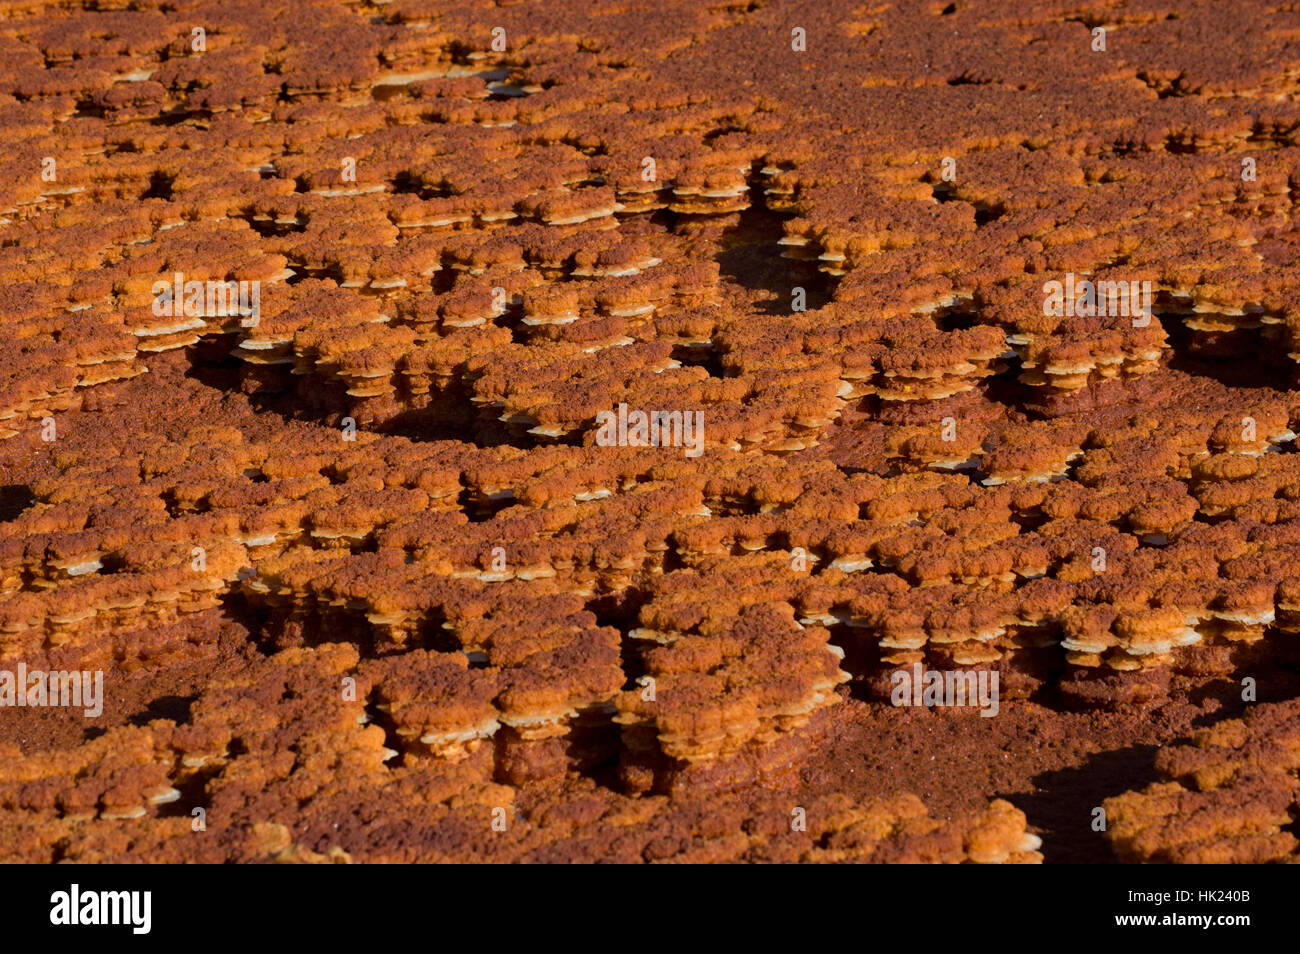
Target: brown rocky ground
365	584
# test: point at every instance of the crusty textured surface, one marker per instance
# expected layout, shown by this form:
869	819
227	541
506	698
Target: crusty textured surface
364	584
1230	795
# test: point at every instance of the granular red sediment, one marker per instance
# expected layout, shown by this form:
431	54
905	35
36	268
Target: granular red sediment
367	583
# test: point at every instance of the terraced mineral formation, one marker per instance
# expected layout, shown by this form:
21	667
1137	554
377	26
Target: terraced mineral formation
1229	796
531	433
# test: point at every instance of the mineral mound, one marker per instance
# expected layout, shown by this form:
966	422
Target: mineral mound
587	432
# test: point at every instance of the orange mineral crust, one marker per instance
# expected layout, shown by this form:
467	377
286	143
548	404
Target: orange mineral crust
1230	795
554	432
